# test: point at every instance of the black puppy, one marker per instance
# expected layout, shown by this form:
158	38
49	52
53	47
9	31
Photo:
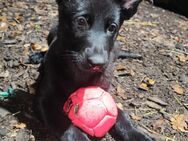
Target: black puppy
82	50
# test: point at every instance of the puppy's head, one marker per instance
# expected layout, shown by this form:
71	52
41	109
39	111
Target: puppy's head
88	29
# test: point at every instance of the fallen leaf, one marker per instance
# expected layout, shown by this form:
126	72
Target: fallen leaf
178	89
183	58
121	38
179	122
36	46
44	49
20	125
143	86
149	81
180	40
120	67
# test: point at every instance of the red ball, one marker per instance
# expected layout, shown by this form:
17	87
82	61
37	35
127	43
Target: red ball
92	109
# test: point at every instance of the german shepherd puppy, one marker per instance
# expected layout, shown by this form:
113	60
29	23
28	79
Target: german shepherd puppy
81	54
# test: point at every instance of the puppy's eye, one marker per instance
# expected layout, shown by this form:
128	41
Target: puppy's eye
112	28
81	21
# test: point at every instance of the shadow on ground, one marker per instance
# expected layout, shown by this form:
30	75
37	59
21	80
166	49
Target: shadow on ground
16	112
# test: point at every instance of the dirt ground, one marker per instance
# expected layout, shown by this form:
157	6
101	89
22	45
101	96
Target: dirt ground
153	90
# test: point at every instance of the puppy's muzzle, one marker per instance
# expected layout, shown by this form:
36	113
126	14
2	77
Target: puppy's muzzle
97	60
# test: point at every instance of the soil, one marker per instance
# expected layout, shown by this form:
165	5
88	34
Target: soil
152	90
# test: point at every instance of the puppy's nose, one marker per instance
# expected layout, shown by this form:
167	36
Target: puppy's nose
96	62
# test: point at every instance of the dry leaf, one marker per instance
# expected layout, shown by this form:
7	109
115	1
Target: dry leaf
183	58
44	49
20	125
121	38
149	81
120	67
180	40
143	86
179	122
36	47
178	89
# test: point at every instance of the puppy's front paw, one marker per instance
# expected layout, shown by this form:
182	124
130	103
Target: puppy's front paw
134	135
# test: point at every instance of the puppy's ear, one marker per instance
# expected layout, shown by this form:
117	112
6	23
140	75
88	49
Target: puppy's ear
129	8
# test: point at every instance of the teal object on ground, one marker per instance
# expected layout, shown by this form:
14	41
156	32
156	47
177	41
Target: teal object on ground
9	93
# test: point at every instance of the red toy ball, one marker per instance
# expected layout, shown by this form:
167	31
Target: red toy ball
92	109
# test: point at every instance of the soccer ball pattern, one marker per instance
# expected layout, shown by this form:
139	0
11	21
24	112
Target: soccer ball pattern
92	109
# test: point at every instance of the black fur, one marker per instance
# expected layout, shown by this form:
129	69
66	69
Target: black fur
83	41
